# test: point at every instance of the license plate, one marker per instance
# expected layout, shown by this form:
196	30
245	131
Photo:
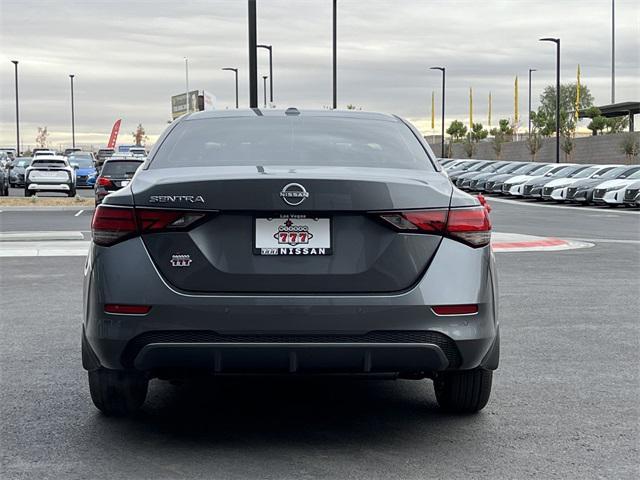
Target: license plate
292	235
124	183
50	174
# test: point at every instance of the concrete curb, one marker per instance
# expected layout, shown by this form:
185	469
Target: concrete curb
47	209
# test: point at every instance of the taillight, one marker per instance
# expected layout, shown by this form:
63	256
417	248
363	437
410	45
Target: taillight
468	225
104	182
153	220
112	224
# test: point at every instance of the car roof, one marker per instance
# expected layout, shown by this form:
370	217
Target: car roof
291	111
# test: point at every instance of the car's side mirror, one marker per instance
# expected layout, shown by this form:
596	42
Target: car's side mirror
76	167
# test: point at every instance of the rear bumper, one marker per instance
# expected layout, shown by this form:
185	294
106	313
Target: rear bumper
290	334
55	187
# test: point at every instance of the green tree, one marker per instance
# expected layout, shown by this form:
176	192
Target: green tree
598	122
630	146
457	130
502	134
617	124
567	134
139	136
567	104
469	146
534	144
478	132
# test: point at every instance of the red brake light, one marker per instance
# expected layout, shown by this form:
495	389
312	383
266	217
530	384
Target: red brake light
127	309
468	225
112	224
105	182
455	309
153	220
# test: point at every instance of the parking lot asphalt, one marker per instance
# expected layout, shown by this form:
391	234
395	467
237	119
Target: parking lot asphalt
564	404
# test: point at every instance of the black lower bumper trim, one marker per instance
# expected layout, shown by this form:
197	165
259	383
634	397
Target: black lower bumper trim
373	351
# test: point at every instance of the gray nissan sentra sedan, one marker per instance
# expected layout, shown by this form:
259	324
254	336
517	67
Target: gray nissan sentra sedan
290	242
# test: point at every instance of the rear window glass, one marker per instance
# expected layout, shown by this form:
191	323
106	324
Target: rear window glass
48	162
120	169
296	141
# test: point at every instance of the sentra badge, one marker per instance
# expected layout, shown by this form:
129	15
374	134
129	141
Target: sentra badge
176	198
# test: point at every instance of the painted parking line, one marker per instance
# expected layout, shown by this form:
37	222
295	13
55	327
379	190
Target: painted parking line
64	248
79	213
39	236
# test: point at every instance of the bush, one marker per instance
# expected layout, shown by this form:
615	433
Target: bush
630	146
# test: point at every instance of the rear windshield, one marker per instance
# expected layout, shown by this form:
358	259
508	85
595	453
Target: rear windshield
294	140
120	168
82	162
48	163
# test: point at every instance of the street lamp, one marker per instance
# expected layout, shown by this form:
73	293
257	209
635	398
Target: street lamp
529	115
335	54
15	63
264	89
270	48
73	117
442	69
235	70
557	42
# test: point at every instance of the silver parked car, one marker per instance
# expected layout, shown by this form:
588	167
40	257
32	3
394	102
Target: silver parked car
290	242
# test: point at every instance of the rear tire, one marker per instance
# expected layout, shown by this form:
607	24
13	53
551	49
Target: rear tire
72	192
465	391
116	392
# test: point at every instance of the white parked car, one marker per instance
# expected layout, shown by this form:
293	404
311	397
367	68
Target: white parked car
611	192
43	153
50	173
560	186
513	185
632	194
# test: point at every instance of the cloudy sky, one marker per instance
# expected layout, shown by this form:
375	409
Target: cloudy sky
128	56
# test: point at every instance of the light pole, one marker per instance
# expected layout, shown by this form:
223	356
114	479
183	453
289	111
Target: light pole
270	48
186	82
73	117
235	70
613	51
15	64
557	42
335	54
264	89
529	114
253	60
442	69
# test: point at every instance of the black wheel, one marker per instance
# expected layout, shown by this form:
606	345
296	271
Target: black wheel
27	192
466	391
116	392
72	192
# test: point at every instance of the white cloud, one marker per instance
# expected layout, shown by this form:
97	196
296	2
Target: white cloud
128	56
